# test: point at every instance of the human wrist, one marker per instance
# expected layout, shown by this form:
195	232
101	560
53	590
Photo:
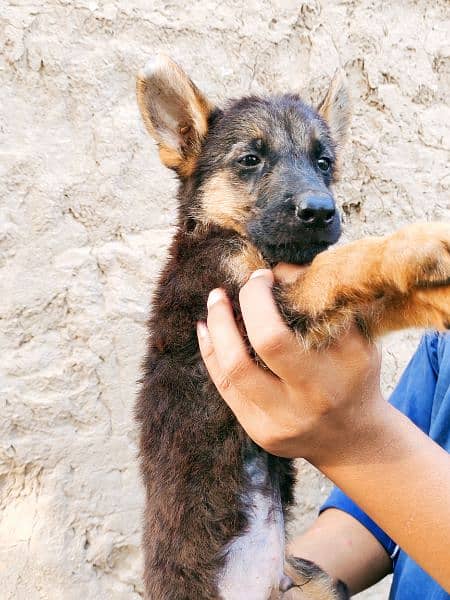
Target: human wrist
400	479
357	434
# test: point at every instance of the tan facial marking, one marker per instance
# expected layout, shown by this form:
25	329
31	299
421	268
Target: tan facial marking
225	203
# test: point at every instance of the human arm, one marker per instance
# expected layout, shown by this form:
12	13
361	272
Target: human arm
378	457
343	548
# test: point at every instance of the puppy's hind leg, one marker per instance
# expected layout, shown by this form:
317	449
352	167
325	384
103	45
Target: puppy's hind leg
304	580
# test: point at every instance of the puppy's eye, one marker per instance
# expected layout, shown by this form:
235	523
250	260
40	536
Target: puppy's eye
249	160
324	164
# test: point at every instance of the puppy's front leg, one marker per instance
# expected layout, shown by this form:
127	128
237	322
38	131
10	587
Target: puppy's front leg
386	283
309	582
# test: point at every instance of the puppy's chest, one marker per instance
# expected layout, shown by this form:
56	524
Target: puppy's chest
254	561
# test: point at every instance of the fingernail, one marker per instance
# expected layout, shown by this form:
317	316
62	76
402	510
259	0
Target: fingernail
214	296
260	273
202	330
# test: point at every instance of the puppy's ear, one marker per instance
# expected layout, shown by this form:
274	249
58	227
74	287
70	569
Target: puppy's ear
335	108
174	111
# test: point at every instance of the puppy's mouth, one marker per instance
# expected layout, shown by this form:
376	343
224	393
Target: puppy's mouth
291	252
294	247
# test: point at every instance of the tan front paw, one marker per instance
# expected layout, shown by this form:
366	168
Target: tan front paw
432	306
309	582
418	256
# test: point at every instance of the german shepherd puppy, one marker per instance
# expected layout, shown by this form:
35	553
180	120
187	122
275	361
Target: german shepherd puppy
255	189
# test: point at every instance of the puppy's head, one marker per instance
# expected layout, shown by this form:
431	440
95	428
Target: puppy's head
262	166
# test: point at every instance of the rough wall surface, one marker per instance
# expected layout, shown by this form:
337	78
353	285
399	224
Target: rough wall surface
85	217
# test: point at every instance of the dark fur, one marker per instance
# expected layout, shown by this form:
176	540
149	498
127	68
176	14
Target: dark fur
192	448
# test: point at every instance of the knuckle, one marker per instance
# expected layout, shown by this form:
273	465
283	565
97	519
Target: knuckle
270	342
266	436
276	441
207	352
234	367
223	384
323	409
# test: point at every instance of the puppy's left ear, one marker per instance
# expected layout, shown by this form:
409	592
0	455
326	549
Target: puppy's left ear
174	111
335	108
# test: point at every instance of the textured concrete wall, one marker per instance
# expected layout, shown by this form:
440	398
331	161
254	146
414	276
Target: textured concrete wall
85	216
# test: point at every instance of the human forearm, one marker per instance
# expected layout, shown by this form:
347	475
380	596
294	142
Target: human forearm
401	478
344	548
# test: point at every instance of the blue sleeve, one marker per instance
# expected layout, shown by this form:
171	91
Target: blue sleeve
413	396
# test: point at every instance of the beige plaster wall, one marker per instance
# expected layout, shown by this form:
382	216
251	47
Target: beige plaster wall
85	216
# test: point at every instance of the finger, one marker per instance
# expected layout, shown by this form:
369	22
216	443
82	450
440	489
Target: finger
288	273
209	357
269	335
245	411
235	364
225	335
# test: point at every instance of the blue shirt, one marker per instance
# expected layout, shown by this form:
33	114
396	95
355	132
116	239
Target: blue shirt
423	394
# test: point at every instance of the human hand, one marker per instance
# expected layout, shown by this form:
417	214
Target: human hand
313	404
327	407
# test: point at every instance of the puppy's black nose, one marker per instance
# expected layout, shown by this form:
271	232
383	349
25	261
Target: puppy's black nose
316	210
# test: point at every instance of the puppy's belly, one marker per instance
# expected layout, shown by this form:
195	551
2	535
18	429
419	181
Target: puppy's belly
255	560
